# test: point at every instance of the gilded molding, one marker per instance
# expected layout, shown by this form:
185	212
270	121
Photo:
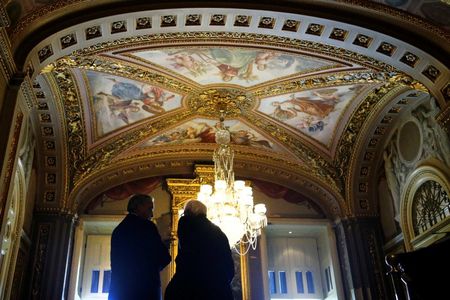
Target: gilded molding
317	165
75	134
129	70
4	19
95	183
28	93
321	81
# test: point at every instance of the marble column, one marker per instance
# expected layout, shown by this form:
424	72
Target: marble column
49	267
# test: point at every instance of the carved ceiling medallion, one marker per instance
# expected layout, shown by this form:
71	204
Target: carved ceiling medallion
214	102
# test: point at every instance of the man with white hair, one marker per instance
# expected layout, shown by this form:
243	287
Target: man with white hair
205	266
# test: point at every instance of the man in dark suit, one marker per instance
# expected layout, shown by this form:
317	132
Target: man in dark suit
137	254
205	266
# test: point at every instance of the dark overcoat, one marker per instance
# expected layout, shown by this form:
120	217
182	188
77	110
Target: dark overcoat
204	265
137	257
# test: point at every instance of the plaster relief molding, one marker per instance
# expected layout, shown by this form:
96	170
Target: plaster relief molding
382	144
371	143
27	94
8	66
444	119
354	133
53	180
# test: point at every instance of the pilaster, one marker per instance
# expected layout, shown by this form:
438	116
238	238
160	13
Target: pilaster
360	249
52	243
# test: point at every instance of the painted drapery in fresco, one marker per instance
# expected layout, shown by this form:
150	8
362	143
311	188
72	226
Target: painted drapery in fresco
316	112
118	102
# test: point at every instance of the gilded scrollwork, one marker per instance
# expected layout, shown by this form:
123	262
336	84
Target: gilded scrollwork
129	70
314	163
335	79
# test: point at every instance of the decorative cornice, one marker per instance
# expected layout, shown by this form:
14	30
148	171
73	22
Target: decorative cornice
43	11
128	70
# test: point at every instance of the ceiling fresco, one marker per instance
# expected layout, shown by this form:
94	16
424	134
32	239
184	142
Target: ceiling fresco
315	113
203	131
242	66
116	102
141	92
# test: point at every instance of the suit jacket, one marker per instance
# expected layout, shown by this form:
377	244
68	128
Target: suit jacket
205	266
137	257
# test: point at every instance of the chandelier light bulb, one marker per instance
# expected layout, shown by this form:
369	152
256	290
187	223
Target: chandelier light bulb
220	185
239	185
260	209
206	189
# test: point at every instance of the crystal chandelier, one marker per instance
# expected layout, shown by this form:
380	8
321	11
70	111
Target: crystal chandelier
230	205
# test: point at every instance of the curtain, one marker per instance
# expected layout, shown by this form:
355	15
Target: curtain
123	191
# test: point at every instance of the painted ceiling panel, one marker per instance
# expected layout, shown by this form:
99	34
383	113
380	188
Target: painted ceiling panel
315	113
242	66
116	102
202	130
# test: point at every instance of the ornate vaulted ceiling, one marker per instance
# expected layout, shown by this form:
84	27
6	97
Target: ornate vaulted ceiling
307	99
